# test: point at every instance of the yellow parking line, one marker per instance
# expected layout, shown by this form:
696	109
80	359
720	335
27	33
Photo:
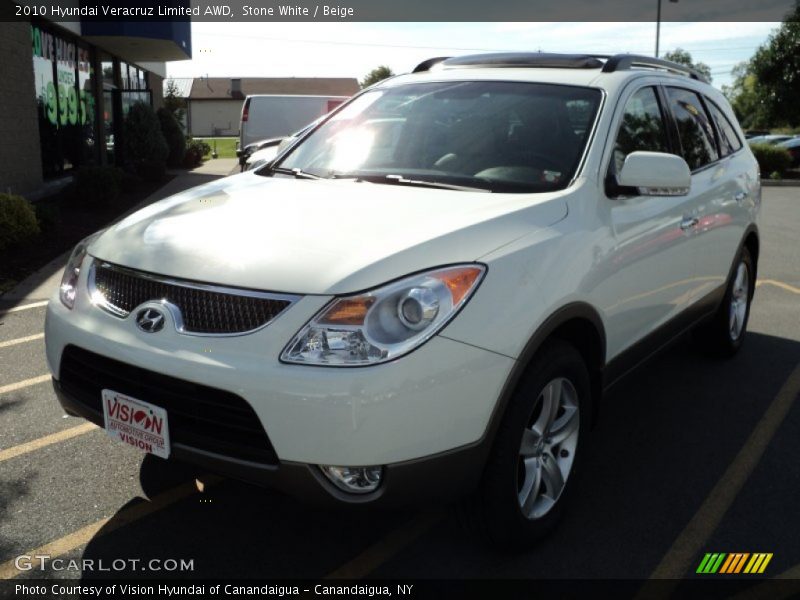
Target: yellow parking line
384	549
684	551
13	387
47	440
21	340
24	307
83	536
779	284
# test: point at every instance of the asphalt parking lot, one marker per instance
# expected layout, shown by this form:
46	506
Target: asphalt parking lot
690	456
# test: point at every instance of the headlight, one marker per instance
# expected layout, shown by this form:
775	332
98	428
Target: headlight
384	323
69	282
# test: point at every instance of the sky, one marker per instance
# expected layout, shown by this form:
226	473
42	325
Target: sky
350	49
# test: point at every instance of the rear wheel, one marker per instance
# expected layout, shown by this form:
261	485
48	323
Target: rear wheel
724	334
537	449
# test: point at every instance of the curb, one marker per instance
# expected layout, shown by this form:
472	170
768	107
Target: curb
780	183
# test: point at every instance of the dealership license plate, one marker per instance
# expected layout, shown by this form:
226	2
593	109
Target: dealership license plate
136	423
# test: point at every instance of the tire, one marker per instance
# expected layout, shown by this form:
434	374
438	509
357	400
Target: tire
518	501
725	333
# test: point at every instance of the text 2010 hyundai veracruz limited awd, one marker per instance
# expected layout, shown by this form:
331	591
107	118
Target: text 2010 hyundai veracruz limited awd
425	295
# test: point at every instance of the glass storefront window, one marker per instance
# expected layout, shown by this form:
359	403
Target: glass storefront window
67	89
87	104
65	101
44	53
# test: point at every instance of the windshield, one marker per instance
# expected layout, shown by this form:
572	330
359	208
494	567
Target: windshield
493	135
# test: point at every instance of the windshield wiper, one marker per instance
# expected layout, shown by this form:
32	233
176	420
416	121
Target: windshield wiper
297	173
400	180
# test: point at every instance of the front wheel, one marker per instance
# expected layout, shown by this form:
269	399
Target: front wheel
537	449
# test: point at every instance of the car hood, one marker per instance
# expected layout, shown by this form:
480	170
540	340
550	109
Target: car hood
317	236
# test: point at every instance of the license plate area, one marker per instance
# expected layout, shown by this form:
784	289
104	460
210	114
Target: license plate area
137	423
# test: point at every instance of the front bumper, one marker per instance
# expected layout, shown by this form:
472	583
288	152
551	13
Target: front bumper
423	416
436	479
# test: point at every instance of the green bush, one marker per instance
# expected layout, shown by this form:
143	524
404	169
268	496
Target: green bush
174	137
145	146
48	214
98	186
195	151
17	220
152	170
771	158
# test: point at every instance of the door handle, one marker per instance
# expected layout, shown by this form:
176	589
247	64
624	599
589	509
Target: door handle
689	223
740	196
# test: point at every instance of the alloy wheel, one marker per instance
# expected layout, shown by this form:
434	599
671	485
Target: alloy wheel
740	296
547	450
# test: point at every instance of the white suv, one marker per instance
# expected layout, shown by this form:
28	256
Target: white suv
424	296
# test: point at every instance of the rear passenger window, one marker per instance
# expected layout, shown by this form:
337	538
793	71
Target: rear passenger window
694	128
642	127
728	140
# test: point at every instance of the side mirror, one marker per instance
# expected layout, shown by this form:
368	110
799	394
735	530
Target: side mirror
655	174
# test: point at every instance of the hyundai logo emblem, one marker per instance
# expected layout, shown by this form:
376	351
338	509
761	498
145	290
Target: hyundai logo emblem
150	320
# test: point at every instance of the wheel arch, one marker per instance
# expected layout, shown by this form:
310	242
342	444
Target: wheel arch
577	323
752	242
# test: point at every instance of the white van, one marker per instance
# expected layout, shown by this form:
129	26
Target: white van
270	116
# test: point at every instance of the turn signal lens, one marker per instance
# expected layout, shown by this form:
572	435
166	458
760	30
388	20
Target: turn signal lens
348	311
459	281
384	323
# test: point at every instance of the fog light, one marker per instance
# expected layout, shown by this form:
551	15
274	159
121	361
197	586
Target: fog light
356	480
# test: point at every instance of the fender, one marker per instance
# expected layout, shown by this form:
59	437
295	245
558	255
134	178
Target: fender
479	450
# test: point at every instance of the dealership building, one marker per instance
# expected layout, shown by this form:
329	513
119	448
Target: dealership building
66	89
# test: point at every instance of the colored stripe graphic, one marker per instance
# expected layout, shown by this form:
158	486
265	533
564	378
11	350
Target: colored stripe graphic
765	563
734	563
711	562
727	564
703	563
740	563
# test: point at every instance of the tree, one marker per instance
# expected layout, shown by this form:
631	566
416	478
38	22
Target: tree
377	74
173	134
776	67
746	98
174	103
682	57
145	147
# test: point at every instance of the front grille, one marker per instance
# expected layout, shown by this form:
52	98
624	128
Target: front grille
200	417
204	309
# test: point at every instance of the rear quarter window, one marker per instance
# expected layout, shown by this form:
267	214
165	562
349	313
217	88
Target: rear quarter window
729	142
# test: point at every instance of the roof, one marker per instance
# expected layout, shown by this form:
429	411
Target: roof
219	88
184	85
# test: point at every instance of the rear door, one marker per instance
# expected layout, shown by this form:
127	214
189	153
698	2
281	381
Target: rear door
722	226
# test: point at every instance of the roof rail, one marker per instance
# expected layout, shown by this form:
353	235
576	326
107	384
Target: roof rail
621	62
426	65
618	62
514	60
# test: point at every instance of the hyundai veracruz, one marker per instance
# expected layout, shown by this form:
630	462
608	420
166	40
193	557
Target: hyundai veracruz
424	295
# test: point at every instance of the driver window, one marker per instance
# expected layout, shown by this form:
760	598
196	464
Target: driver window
642	128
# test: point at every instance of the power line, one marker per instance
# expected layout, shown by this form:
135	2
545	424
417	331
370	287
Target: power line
418	47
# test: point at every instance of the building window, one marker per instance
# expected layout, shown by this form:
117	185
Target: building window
65	101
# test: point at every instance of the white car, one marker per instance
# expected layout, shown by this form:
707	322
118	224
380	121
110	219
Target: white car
425	297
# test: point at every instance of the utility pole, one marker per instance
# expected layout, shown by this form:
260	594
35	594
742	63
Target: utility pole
658	22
